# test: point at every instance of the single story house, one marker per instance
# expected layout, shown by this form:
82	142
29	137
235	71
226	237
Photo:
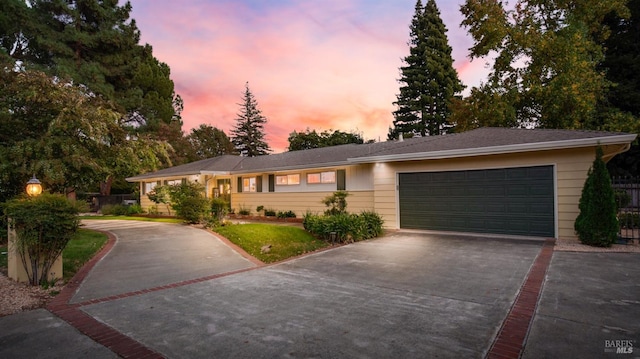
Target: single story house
489	180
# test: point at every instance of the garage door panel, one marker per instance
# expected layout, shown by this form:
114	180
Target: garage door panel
511	201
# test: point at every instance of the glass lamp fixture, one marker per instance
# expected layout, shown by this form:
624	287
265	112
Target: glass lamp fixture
34	187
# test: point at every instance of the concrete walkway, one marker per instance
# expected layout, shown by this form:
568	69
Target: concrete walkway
407	295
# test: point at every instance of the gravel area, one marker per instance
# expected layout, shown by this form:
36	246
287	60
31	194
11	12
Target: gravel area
574	245
17	297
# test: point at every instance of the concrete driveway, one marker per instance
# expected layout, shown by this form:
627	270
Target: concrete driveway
407	295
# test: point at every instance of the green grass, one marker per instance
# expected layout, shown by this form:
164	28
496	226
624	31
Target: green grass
285	241
133	218
80	249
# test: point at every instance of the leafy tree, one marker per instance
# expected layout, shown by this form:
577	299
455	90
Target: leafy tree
68	138
44	225
597	224
430	81
208	141
546	58
311	139
94	44
248	133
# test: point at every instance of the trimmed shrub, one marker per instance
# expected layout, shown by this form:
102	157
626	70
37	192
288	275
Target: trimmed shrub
188	200
597	224
244	211
347	227
192	209
120	210
44	225
219	208
286	214
270	212
629	220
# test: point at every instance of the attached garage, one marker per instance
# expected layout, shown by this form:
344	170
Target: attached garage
514	201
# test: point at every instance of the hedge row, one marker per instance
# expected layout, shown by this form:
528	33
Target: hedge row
347	227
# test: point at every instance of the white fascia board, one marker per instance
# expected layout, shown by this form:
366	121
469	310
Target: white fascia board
215	173
295	168
145	177
482	151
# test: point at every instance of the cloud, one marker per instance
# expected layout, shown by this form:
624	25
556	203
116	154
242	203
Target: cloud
319	65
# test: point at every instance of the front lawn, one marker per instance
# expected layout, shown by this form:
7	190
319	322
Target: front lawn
285	241
80	249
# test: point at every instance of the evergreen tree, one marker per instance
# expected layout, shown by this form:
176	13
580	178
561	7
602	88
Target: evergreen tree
430	81
597	224
95	44
248	133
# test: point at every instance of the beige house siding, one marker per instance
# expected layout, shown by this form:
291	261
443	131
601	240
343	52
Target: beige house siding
300	203
374	186
571	167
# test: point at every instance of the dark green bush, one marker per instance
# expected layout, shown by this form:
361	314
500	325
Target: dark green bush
192	209
219	207
270	212
44	225
629	220
347	227
597	224
286	214
244	211
121	210
623	198
134	209
188	200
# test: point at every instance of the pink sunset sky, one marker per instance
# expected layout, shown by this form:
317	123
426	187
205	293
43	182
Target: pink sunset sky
329	64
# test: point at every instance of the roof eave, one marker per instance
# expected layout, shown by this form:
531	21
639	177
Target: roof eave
493	150
194	173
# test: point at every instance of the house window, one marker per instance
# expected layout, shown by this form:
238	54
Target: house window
173	182
285	180
249	184
149	186
321	177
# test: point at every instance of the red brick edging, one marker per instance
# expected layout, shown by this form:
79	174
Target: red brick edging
511	338
117	342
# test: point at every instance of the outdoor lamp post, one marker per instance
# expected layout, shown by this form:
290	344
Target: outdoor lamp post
34	187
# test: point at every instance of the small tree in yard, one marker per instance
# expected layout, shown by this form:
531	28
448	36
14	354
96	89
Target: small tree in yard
44	225
597	224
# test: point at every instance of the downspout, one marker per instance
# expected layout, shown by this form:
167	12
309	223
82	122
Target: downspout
606	158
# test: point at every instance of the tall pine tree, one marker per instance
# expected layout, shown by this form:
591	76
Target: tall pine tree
248	133
430	81
96	44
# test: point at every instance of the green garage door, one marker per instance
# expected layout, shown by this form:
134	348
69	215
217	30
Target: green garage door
515	201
